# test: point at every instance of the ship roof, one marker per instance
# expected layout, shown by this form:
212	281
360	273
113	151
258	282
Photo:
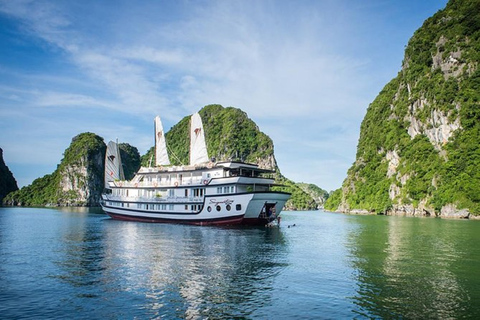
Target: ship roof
227	165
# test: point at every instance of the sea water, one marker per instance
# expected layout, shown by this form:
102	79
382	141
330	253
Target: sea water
78	263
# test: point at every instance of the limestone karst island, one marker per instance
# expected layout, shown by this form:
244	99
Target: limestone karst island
418	153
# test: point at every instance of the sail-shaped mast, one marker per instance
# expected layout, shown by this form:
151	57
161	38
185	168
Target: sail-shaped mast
198	147
113	164
161	154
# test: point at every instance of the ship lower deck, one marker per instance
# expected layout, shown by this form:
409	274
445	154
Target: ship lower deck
257	208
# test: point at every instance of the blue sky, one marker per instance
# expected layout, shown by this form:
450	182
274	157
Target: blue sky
304	71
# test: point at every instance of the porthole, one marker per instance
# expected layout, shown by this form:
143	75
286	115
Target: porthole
219	208
209	208
239	207
228	207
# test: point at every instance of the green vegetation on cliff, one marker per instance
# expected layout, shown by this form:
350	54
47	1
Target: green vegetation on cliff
51	189
130	159
7	181
418	145
229	134
317	193
78	179
300	199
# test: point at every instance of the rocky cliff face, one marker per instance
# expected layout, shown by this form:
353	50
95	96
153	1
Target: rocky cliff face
81	172
418	148
229	135
318	195
79	178
7	181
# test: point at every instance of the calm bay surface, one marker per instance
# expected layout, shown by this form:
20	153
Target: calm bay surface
78	263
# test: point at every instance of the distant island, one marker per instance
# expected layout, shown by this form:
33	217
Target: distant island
230	135
418	152
7	181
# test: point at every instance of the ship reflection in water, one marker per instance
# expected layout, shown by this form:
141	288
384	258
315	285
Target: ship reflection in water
177	271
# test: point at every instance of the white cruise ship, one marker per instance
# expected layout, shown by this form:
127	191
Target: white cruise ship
203	193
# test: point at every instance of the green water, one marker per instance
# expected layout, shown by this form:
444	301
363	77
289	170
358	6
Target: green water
416	267
78	263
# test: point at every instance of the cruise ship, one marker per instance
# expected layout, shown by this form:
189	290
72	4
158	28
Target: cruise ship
205	192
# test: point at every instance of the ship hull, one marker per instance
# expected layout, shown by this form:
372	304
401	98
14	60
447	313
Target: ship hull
232	209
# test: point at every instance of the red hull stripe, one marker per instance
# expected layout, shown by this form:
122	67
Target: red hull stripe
220	221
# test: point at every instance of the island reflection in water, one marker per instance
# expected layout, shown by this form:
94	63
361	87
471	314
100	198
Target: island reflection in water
415	268
174	271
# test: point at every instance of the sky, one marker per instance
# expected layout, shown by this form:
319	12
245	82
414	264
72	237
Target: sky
304	71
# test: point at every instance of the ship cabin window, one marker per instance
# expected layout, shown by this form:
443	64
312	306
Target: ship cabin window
186	192
171	192
227	189
170	207
238	207
198	192
244	172
196	207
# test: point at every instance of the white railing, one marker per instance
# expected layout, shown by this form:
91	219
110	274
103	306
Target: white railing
153	184
153	199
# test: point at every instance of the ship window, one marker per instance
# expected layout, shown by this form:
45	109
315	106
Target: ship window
219	190
238	207
209	208
198	192
228	207
186	192
219	208
186	207
170	207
